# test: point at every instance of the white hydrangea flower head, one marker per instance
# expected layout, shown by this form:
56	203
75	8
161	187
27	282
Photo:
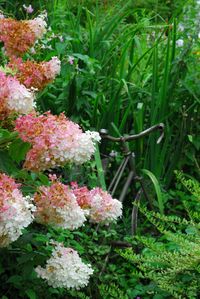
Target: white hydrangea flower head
67	144
14	97
52	68
39	25
65	269
75	149
16	211
57	206
103	208
21	99
70	216
84	146
18	216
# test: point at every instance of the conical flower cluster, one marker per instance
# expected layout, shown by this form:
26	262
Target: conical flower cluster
19	36
34	74
100	205
65	269
14	97
55	141
15	211
57	206
104	208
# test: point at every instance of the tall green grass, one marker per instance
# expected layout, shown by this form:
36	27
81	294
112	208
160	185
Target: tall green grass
127	71
129	74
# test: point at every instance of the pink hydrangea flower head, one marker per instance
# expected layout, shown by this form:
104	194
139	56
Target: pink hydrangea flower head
55	141
19	36
52	68
15	211
14	97
34	74
57	206
83	195
38	25
104	209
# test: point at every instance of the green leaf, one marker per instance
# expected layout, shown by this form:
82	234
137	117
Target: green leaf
6	163
7	70
190	138
61	47
82	57
43	178
157	296
99	168
195	140
15	279
6	136
25	258
31	294
157	189
18	150
191	230
41	238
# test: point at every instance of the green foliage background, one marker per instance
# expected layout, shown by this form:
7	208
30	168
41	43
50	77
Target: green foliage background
129	71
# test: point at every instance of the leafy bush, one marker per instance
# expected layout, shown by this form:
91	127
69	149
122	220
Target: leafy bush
125	66
171	260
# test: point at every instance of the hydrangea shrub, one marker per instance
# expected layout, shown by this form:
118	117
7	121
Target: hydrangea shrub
54	141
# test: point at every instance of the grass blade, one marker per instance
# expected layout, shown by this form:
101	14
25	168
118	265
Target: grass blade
100	170
157	189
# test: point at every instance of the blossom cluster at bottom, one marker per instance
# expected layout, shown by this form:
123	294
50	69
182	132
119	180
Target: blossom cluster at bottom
65	269
68	207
